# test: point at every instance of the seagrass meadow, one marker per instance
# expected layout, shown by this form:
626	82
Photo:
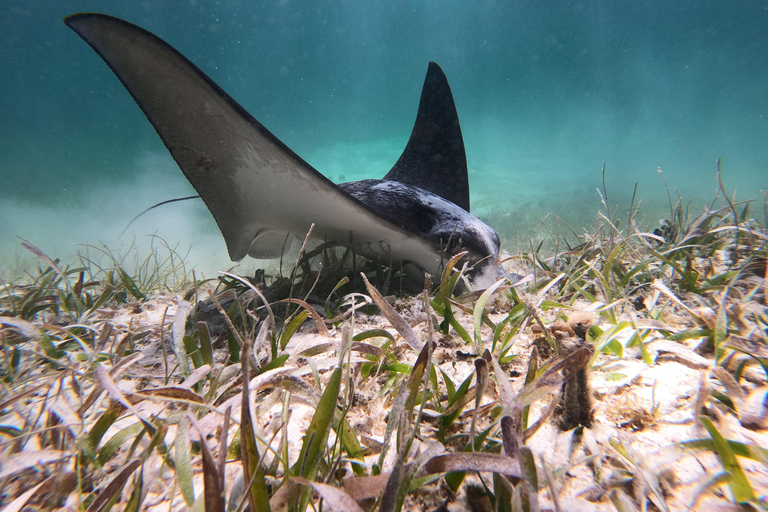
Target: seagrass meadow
627	371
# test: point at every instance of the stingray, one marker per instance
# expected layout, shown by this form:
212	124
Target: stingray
261	193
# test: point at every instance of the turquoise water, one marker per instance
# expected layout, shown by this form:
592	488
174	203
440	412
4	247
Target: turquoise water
546	92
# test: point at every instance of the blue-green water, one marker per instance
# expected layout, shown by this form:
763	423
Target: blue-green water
546	92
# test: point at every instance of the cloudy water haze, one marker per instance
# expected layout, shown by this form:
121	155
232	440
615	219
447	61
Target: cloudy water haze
546	93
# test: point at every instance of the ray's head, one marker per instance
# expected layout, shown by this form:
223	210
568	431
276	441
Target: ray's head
446	226
467	234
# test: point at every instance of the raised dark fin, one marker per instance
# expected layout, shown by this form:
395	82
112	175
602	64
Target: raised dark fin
434	157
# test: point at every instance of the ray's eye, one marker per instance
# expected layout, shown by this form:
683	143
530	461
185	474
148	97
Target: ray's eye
424	221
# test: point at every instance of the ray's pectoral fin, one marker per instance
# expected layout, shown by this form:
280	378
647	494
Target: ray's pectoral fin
269	244
434	158
255	187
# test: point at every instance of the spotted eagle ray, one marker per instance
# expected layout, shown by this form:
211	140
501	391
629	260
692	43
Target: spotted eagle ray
261	193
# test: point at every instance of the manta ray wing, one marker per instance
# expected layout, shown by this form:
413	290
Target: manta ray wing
434	158
258	190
